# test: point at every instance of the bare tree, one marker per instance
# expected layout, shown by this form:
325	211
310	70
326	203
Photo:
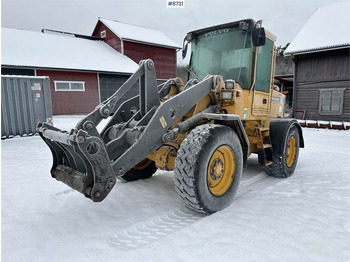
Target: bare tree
182	72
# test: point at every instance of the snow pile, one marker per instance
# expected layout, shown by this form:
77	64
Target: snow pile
303	218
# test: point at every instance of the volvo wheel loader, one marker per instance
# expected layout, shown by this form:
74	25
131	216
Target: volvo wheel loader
204	129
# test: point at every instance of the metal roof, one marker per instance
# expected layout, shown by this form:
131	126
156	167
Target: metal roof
328	28
38	50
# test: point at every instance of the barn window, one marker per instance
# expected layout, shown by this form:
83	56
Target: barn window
69	86
331	101
103	34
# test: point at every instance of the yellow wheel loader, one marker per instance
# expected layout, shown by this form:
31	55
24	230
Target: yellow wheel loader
204	129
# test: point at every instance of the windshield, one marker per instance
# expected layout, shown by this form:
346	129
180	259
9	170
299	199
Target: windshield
226	52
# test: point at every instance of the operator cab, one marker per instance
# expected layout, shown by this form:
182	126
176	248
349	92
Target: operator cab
239	50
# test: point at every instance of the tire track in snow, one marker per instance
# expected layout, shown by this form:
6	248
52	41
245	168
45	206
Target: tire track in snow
261	180
146	232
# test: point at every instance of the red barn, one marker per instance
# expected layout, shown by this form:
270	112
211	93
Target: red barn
140	43
75	66
85	70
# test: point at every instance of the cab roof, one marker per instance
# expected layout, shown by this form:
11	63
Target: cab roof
251	24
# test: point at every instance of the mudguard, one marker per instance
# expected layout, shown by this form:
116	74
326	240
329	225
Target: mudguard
279	129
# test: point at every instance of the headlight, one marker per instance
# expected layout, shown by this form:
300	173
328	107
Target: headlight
229	84
226	95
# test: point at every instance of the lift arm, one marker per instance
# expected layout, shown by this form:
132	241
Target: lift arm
89	161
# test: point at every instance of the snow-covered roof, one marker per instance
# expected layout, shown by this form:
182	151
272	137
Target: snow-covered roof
35	49
139	34
327	28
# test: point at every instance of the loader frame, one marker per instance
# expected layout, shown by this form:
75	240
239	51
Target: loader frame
203	130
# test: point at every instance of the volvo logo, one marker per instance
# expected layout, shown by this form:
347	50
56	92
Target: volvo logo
216	32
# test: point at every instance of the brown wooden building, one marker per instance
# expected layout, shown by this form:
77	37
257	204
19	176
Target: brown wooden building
321	52
323	85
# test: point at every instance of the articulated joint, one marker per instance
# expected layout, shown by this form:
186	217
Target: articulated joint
149	63
170	136
106	109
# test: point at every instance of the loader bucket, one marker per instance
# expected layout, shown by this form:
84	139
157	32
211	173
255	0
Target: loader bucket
80	157
80	161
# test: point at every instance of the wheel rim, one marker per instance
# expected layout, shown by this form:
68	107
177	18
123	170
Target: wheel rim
291	151
220	171
143	164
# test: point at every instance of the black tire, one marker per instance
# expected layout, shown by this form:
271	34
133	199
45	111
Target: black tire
284	166
192	173
145	169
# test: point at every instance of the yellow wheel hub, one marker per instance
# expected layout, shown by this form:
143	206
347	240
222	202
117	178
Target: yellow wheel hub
221	170
291	151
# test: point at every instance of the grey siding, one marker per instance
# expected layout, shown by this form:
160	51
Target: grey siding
322	71
307	98
323	66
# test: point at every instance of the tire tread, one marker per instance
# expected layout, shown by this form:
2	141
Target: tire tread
188	155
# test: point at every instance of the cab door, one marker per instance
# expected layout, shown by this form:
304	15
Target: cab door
264	79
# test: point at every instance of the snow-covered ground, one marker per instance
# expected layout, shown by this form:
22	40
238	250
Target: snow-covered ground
303	218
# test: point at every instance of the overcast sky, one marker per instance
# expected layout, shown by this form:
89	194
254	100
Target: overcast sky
284	18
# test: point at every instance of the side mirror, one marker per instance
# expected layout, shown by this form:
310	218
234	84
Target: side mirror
258	36
188	38
184	48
